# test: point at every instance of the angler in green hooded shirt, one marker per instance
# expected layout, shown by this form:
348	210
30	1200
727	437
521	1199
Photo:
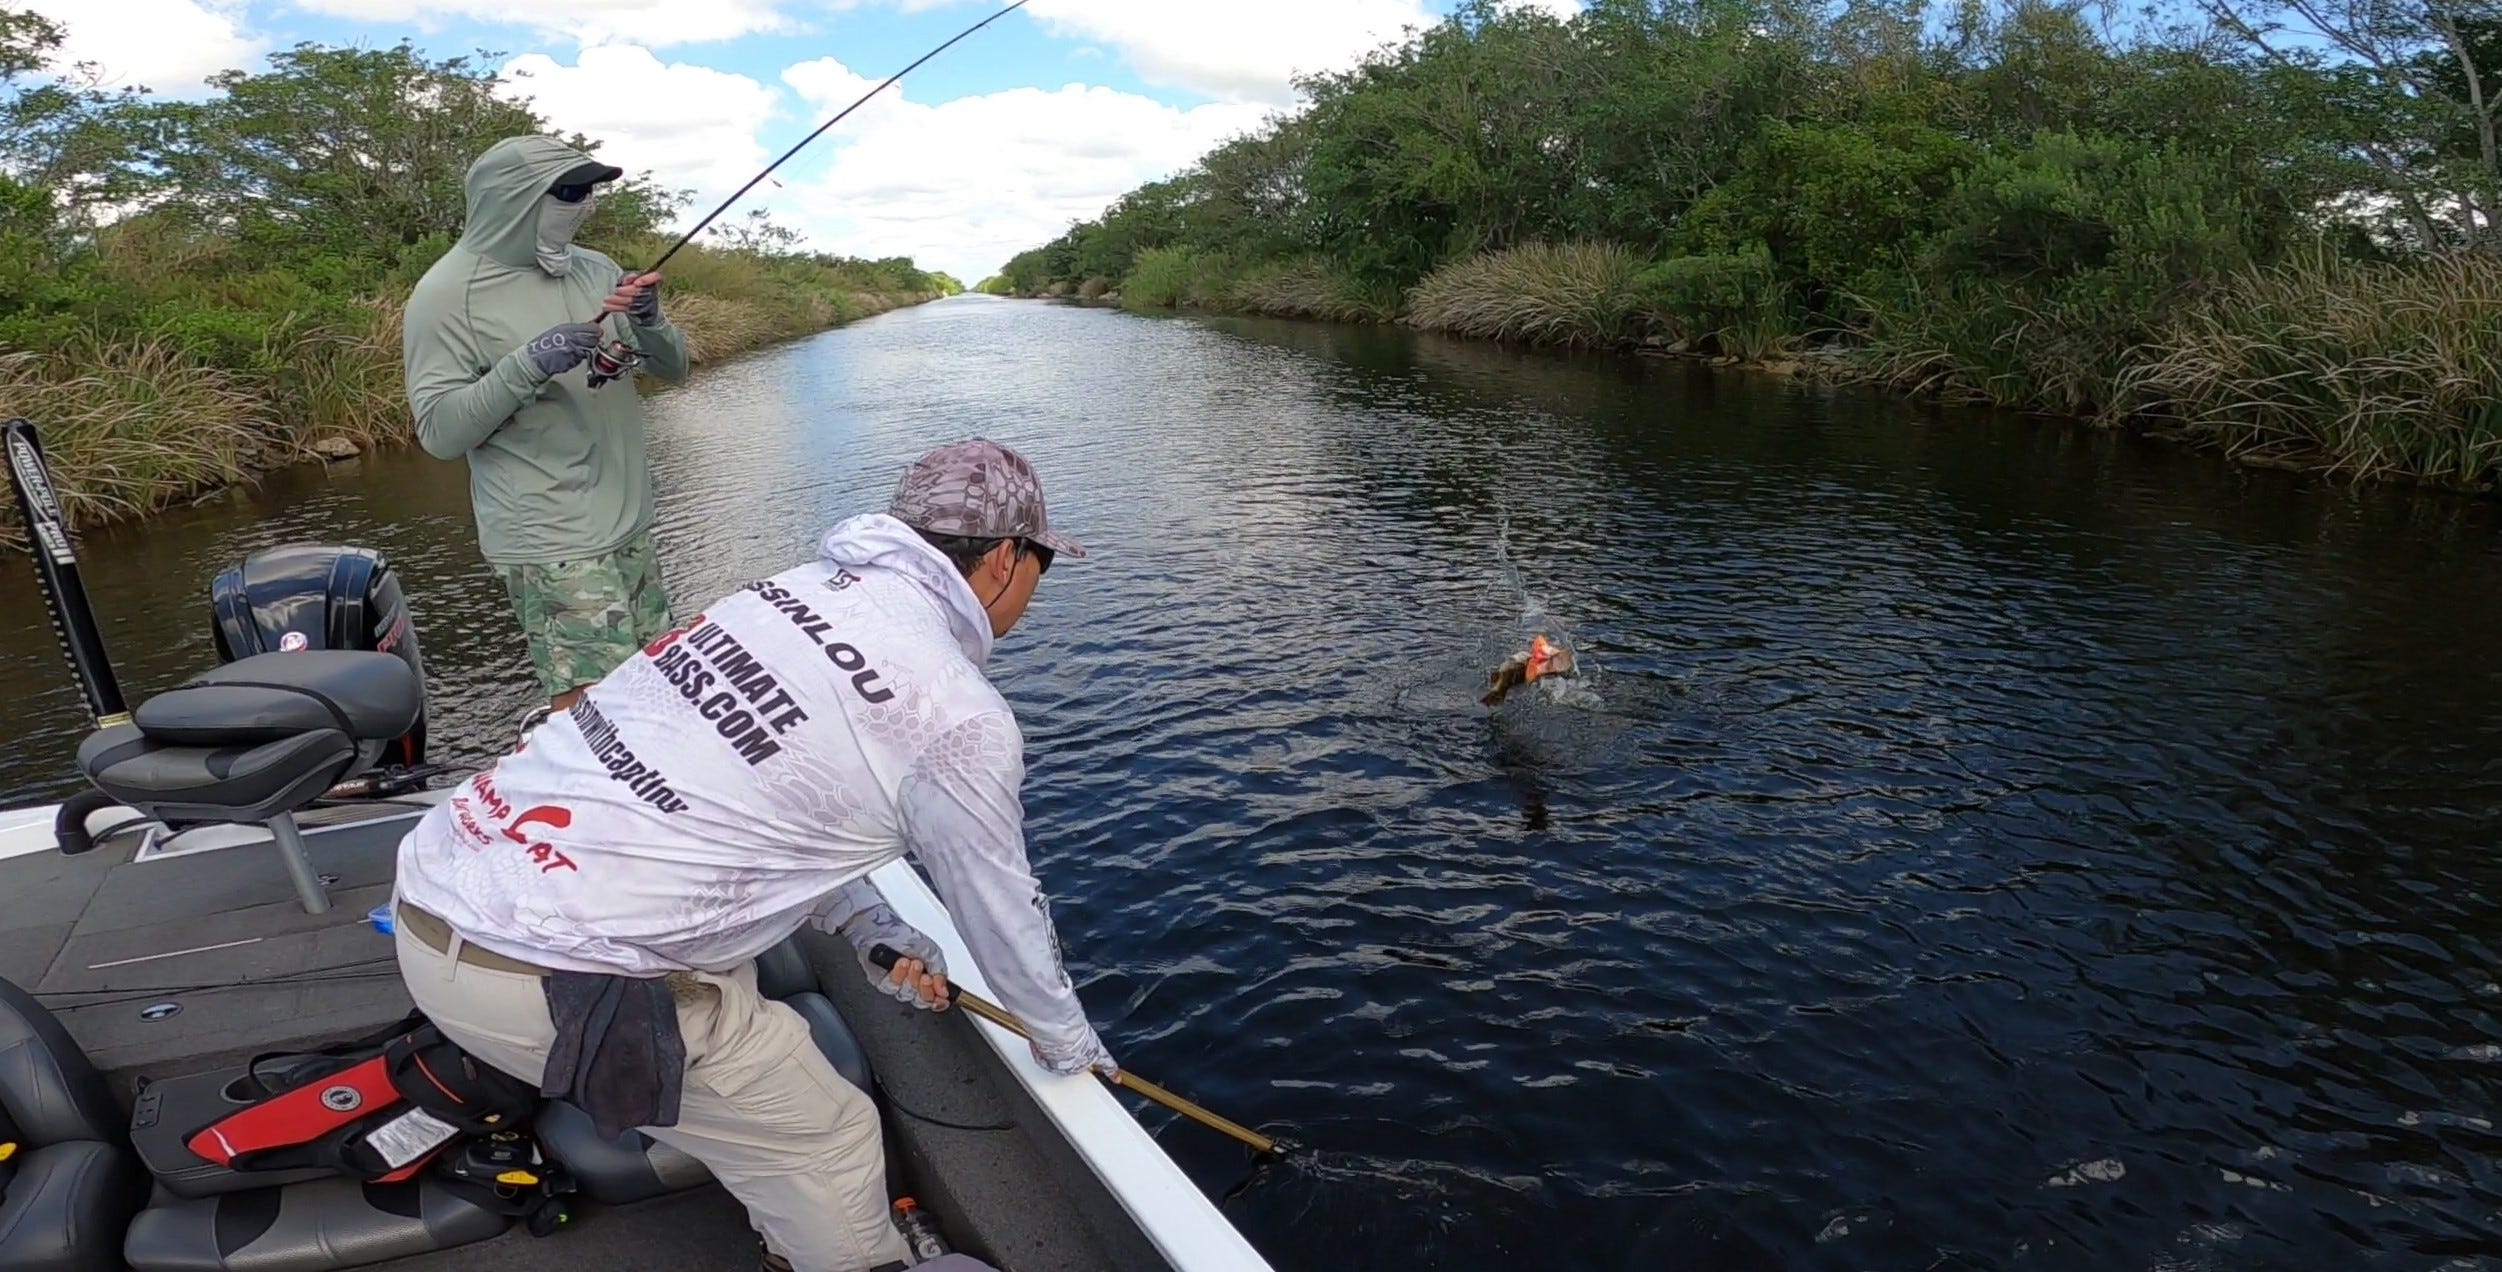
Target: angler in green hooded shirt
494	349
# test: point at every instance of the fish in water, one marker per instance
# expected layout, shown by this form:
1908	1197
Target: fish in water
1542	659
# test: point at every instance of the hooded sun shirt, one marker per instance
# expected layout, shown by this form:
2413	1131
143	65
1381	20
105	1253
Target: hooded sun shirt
744	774
557	470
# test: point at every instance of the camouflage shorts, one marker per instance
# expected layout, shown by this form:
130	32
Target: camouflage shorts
584	618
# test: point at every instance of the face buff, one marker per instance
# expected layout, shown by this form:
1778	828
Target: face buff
558	220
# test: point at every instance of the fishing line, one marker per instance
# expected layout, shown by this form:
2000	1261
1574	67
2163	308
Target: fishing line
613	360
803	142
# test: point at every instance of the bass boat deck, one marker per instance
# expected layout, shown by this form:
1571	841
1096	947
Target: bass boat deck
165	956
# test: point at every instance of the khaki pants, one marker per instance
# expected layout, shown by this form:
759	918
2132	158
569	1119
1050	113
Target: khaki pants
763	1108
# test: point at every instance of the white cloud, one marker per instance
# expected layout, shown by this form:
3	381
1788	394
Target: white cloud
166	45
645	23
963	185
690	126
1237	50
827	86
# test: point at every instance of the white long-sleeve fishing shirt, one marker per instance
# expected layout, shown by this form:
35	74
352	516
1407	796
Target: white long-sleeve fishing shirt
745	773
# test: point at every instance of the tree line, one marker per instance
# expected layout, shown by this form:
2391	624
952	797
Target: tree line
2263	224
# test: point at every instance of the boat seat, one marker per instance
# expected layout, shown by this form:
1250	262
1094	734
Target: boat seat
316	1226
214	784
634	1166
70	1185
368	696
255	740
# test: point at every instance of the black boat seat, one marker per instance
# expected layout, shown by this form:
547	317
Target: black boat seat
370	697
309	1227
634	1166
255	740
214	784
70	1185
256	737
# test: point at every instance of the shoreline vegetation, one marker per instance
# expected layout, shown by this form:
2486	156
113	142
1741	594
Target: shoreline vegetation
196	293
2268	231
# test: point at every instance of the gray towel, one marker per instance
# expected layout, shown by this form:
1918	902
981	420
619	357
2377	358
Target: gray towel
618	1055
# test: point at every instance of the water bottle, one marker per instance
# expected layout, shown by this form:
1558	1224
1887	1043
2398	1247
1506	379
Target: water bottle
919	1233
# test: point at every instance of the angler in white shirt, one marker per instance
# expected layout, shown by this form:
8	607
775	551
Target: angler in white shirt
739	777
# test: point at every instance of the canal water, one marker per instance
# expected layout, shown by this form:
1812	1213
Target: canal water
1974	841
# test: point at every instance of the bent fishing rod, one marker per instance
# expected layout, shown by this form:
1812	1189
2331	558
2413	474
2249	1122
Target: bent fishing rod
886	956
623	357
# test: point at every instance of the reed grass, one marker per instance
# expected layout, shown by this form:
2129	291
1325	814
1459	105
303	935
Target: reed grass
1571	294
717	328
1311	288
1976	341
131	427
2367	371
343	378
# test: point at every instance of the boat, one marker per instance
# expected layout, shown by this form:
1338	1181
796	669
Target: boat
167	931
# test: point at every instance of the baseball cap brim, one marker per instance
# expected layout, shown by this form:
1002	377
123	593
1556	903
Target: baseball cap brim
1060	544
587	174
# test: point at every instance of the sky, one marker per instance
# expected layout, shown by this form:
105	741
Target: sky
1042	118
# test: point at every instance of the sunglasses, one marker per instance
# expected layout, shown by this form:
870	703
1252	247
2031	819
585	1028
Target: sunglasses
572	193
1040	553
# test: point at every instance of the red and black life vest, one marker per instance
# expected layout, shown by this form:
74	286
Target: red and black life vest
376	1108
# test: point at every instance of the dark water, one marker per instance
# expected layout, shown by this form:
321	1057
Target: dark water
1985	844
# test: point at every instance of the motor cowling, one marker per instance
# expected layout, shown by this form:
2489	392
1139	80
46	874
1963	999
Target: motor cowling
318	596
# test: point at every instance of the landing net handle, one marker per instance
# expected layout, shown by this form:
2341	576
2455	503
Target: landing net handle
56	568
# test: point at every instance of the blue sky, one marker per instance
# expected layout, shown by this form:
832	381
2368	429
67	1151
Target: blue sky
1041	118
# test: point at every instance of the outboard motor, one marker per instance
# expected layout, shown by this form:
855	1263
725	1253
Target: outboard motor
314	596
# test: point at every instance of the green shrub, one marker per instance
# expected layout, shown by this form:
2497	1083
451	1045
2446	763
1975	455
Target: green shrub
1832	205
2054	266
1728	302
1166	277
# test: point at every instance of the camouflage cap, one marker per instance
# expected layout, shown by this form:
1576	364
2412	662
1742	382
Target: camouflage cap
977	489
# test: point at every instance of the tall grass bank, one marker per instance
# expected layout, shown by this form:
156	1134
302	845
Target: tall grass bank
2270	229
189	295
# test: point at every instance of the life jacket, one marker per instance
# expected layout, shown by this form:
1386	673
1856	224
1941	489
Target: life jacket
376	1108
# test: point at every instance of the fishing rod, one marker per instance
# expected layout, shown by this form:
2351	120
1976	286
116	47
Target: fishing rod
885	956
614	360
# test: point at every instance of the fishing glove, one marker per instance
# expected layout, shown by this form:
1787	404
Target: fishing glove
879	925
645	311
561	348
1087	1053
